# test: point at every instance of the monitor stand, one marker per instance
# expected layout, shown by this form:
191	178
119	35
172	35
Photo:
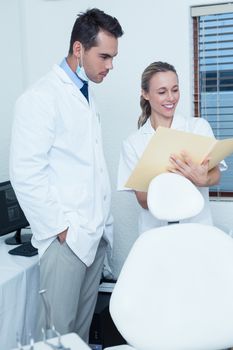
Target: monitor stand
19	238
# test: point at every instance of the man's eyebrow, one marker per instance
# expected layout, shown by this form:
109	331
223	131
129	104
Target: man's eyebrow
108	55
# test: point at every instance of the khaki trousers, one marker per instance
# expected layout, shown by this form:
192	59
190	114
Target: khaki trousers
71	288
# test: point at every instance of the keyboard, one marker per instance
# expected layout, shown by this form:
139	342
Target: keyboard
25	249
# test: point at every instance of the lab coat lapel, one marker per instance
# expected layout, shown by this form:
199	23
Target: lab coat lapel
69	84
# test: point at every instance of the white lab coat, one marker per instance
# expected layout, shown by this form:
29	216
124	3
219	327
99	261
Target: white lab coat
57	166
132	150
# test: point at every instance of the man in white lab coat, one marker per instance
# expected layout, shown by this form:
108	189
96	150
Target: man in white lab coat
58	172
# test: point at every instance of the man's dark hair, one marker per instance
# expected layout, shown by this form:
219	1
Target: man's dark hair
89	23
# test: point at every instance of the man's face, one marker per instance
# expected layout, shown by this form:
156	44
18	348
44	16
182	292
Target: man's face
98	60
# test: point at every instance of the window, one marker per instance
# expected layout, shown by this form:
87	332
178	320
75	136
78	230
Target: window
213	76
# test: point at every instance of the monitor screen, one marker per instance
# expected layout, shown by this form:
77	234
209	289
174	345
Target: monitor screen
12	217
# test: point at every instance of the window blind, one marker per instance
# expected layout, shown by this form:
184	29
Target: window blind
213	78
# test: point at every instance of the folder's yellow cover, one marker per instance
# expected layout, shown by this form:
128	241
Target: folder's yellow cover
167	141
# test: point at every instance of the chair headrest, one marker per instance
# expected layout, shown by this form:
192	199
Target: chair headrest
173	197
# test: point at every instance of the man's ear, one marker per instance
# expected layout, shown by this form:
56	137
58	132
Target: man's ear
77	46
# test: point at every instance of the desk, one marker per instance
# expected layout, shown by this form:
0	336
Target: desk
71	340
19	286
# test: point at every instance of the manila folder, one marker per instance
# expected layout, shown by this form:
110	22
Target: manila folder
167	141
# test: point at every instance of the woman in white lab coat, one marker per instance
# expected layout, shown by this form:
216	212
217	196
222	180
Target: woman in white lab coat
159	98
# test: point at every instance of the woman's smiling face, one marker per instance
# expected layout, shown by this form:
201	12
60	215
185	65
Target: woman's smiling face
163	94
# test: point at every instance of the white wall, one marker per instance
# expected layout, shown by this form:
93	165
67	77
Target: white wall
10	73
154	30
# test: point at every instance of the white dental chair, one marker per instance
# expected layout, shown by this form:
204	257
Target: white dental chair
175	290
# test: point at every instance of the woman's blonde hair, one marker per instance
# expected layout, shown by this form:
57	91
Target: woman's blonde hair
149	72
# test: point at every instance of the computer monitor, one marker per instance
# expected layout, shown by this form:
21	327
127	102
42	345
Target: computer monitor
12	217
